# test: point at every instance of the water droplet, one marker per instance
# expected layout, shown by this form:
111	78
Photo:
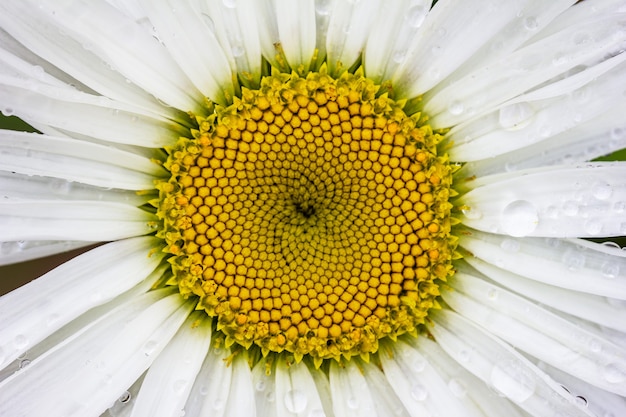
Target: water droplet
399	56
237	51
418	392
20	341
260	386
595	346
570	208
457	387
492	294
593	227
418	365
512	380
149	347
610	269
581	38
179	386
573	260
602	191
510	245
530	23
353	402
219	404
515	116
619	207
519	218
8	111
456	108
270	397
582	401
204	390
472	214
464	355
231	4
416	15
295	401
618	133
614	374
323	7
24	363
125	397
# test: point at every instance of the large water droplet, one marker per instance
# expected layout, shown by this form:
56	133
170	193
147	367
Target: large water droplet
512	380
418	392
515	116
519	218
416	15
614	373
295	401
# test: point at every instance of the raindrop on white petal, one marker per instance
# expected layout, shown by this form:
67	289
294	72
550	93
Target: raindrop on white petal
510	245
295	401
519	218
418	392
323	7
512	380
8	111
125	397
610	269
204	389
618	133
530	23
593	227
464	355
270	397
399	56
492	294
573	260
416	15
570	208
24	363
208	22
418	365
353	402
472	214
260	386
20	341
456	108
179	386
149	347
581	38
602	191
619	207
595	346
614	373
231	4
237	51
218	404
515	116
457	388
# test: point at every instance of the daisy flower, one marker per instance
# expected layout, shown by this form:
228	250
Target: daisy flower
314	208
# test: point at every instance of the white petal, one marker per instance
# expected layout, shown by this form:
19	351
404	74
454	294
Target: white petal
594	308
524	69
501	367
125	403
393	34
241	396
418	385
194	47
296	392
170	378
24	187
48	39
385	399
76	160
100	117
597	137
39	308
72	220
264	390
543	113
86	373
348	30
210	392
576	265
350	392
471	391
584	201
538	332
12	252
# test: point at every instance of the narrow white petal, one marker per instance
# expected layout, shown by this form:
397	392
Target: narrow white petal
24	187
418	385
193	46
76	160
537	116
528	67
171	376
48	39
539	332
14	66
39	308
210	391
348	29
391	37
350	392
583	201
72	220
597	137
12	252
471	391
385	399
573	264
241	396
125	403
264	390
85	114
501	367
296	392
594	308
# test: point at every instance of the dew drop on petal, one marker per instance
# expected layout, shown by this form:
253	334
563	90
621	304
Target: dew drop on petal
595	346
456	108
570	208
295	401
530	23
260	386
204	390
179	386
513	381
237	51
20	341
457	388
399	56
492	294
418	365
472	214
519	218
614	374
573	260
8	111
464	355
125	397
593	227
610	269
269	396
602	191
218	404
416	15
323	7
149	347
515	116
418	392
353	403
24	363
510	245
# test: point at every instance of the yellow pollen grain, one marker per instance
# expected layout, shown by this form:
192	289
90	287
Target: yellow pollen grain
304	220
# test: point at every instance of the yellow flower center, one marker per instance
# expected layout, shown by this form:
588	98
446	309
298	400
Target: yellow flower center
310	216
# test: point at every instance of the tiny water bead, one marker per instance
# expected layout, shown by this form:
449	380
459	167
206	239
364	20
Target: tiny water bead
310	216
